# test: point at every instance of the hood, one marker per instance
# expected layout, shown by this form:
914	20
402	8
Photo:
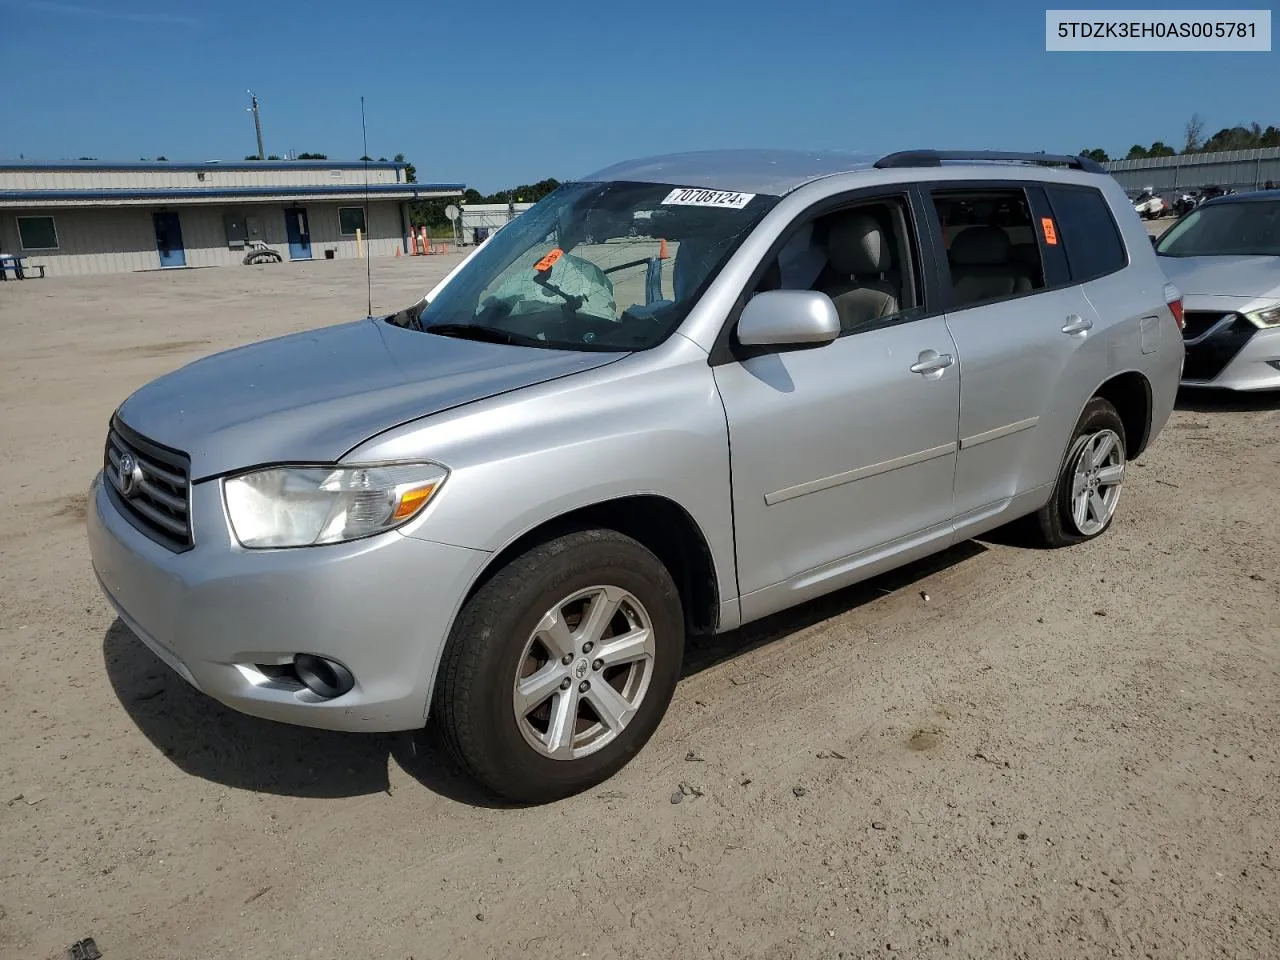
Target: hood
1250	277
311	397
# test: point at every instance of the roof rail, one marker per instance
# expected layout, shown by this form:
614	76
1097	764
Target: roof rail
934	158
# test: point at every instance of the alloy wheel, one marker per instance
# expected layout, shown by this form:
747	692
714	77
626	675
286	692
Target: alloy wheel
1096	479
583	673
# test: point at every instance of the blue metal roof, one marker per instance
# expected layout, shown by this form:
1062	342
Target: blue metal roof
107	166
182	193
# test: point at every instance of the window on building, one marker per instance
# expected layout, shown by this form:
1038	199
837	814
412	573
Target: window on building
1094	248
351	219
37	233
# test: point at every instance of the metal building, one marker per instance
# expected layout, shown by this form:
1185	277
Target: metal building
478	220
1238	169
90	217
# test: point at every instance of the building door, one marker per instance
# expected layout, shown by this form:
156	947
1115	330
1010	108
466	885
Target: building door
299	233
169	239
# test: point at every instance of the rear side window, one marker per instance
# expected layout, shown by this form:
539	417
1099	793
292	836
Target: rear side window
1088	232
990	239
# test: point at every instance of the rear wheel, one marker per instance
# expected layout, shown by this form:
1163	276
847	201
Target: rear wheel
1089	484
561	666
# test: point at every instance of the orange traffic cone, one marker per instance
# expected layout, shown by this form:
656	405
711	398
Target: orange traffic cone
662	249
397	249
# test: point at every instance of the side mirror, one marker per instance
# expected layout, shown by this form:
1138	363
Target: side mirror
788	318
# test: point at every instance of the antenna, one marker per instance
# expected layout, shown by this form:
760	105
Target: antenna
368	263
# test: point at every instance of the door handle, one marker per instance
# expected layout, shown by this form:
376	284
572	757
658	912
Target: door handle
932	362
1077	324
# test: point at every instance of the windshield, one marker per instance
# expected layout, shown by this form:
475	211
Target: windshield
1250	228
594	266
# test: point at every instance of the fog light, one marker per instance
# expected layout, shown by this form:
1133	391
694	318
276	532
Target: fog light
324	678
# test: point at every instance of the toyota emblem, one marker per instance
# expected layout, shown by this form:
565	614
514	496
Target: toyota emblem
130	474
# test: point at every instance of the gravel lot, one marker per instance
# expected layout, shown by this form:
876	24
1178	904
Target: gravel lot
998	753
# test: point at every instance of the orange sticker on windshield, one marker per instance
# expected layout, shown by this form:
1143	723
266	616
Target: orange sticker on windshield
549	261
1050	232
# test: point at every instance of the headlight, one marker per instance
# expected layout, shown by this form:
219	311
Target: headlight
1269	317
302	506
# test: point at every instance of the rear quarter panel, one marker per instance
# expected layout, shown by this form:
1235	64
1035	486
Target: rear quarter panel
1126	298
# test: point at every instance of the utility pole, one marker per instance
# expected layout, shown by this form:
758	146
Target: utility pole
257	124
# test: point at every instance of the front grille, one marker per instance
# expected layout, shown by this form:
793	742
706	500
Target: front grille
1196	323
155	496
1209	353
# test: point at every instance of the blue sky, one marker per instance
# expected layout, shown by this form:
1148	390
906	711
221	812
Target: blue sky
495	93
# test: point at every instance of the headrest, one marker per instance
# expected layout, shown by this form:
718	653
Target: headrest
856	245
980	246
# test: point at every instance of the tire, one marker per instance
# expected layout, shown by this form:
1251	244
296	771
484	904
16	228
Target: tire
504	642
1058	522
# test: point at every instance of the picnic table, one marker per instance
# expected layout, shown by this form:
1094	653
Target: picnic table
10	262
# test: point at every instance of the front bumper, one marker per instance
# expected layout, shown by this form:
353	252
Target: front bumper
381	606
1232	354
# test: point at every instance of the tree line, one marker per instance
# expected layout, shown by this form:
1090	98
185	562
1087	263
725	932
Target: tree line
1251	137
298	156
430	213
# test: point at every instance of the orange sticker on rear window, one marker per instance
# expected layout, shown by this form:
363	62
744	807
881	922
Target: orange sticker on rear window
549	261
1050	232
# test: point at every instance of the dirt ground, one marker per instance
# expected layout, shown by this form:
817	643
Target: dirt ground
998	753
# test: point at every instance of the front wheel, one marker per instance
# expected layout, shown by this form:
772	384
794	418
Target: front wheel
1089	483
561	666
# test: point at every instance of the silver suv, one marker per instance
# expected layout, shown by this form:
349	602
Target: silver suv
672	398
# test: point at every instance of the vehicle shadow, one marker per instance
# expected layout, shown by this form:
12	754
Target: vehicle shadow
1196	400
702	653
208	740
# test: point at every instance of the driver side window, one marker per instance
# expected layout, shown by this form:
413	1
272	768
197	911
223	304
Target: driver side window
860	256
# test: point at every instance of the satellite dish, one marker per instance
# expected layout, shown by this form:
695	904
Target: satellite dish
451	212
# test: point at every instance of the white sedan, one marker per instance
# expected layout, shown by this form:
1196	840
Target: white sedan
1225	258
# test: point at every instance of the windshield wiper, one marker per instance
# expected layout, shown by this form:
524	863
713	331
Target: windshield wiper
476	331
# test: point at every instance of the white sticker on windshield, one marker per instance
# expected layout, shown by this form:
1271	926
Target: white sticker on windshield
698	197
